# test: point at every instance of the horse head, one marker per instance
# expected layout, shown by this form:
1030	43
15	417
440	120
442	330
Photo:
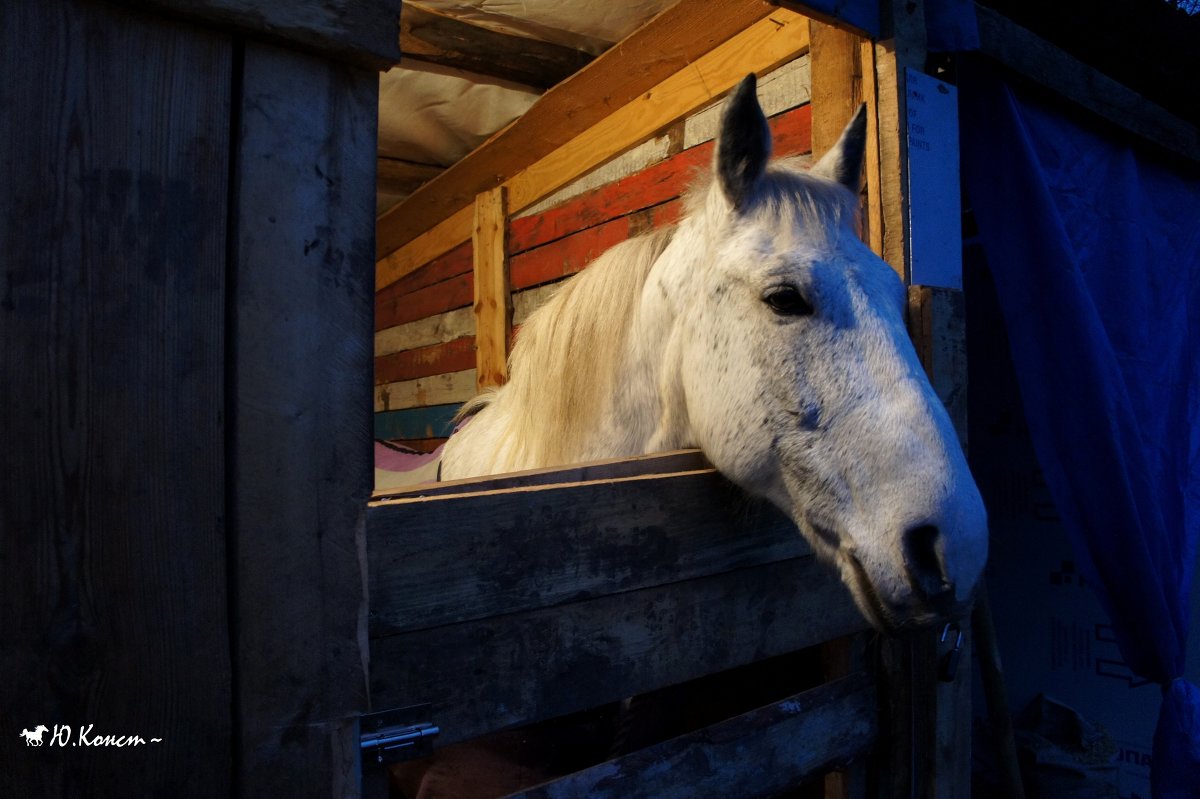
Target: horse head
796	376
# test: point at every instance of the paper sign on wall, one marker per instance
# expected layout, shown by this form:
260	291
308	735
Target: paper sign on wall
935	207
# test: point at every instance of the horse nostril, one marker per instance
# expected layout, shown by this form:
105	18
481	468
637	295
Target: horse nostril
926	570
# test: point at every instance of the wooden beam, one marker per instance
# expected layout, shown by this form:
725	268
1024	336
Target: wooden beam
761	47
362	32
1045	64
436	38
493	289
397	176
663	46
792	741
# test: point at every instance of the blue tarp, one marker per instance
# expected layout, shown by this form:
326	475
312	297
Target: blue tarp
1095	252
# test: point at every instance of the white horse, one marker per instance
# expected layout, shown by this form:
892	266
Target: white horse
764	332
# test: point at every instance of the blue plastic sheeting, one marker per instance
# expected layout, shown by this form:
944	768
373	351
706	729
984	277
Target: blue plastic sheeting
1095	253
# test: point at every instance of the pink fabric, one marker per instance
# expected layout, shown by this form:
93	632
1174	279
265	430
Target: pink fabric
393	459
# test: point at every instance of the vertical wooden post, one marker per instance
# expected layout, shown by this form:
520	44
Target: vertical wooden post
299	454
837	91
493	291
928	729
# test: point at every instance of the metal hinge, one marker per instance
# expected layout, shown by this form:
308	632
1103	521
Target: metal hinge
391	736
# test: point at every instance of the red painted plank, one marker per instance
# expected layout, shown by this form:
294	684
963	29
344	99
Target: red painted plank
566	256
666	180
458	292
436	359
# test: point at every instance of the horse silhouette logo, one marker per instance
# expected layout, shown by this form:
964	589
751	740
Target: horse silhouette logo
34	737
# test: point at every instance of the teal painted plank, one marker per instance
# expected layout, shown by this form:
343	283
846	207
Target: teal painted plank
434	421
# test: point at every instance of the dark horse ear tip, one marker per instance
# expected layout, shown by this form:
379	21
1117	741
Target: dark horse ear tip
744	143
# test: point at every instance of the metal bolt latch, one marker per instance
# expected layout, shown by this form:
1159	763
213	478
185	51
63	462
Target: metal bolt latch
948	664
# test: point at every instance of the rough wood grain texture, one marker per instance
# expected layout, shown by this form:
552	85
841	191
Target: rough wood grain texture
447	559
836	88
434	359
554	660
440	389
493	290
663	46
1042	62
436	38
858	16
872	174
937	326
758	754
397	176
905	49
112	544
683	460
301	423
761	47
363	32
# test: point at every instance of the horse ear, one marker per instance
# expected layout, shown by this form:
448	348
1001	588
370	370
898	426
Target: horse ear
743	145
843	162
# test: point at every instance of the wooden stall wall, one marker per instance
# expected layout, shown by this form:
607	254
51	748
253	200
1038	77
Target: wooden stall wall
425	361
187	229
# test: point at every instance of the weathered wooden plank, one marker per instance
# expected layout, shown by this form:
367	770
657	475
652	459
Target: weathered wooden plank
440	389
663	46
524	667
642	465
872	169
493	291
300	423
447	559
397	176
436	38
858	16
434	359
569	255
112	545
761	753
837	88
1042	62
658	183
392	308
761	47
363	32
434	421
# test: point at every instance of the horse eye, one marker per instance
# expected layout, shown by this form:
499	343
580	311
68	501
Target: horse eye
787	301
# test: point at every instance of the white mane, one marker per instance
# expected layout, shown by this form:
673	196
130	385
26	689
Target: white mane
564	364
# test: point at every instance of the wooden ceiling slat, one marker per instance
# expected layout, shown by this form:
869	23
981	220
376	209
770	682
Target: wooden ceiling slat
663	46
431	37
